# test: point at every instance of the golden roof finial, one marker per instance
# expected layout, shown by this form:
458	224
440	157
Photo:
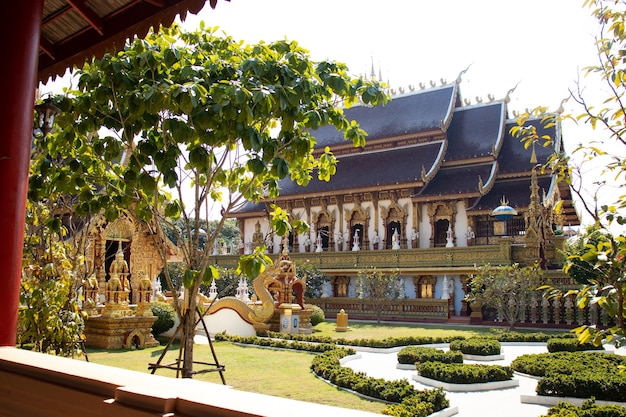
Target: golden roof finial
533	157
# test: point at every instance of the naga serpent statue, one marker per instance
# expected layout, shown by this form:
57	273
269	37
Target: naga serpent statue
280	276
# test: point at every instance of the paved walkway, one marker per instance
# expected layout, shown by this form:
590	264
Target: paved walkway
495	403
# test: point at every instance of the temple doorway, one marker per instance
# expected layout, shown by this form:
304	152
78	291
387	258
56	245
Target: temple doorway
325	235
392	227
441	229
357	228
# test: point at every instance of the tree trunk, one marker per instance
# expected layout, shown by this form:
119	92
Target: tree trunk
189	333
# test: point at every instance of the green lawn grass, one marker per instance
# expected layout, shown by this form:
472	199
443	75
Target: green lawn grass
280	373
373	330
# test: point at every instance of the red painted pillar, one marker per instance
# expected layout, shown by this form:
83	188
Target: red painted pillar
18	80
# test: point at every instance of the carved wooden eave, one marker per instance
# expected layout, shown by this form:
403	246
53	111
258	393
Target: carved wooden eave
428	175
468	161
415	138
445	123
484	188
497	147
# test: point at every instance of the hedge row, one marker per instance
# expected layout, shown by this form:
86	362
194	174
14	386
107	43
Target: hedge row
587	409
419	354
411	401
576	374
570	345
480	346
279	343
389	342
457	373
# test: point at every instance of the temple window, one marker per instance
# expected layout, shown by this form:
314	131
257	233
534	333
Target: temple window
441	228
424	286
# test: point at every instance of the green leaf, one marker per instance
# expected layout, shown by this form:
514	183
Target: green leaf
172	210
256	166
188	278
210	273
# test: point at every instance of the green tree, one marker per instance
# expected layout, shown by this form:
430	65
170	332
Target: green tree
597	258
198	123
49	317
380	288
54	271
315	279
508	289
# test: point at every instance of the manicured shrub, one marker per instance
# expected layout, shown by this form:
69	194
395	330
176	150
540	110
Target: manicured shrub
280	343
542	364
380	343
409	407
513	336
576	374
419	354
570	345
318	315
165	314
389	342
456	373
602	386
481	346
328	367
587	409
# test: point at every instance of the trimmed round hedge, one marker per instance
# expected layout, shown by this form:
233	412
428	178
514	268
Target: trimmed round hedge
165	314
318	314
570	345
480	346
456	373
587	409
419	354
576	374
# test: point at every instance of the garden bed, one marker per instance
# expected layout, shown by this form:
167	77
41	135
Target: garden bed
550	401
450	387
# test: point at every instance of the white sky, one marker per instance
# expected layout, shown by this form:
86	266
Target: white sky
540	44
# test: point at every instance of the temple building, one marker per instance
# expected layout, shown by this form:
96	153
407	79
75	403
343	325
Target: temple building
421	199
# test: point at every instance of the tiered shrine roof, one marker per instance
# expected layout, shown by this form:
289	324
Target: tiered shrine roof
427	142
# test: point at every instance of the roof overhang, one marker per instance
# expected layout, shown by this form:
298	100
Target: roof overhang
74	31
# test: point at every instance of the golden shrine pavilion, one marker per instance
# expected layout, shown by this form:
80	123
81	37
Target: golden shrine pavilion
420	199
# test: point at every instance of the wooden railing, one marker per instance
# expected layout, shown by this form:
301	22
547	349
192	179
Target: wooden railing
423	309
505	252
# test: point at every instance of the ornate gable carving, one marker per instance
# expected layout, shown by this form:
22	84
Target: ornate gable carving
122	228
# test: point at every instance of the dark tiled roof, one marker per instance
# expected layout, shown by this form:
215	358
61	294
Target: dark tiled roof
458	180
514	158
373	169
413	113
250	207
516	191
476	132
